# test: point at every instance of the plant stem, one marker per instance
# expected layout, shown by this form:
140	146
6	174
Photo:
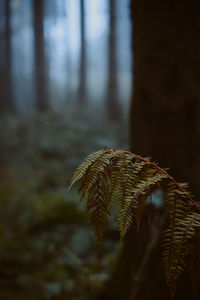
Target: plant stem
163	171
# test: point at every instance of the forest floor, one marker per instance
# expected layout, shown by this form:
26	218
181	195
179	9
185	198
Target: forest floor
47	248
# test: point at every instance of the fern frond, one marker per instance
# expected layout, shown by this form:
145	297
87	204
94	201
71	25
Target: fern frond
134	199
193	259
181	227
102	164
176	245
80	171
109	173
97	205
116	174
127	203
144	189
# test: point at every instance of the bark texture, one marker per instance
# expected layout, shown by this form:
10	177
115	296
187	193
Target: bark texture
165	125
82	89
113	107
165	120
42	101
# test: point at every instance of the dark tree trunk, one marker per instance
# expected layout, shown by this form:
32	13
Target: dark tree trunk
165	125
40	57
165	120
6	94
82	89
112	101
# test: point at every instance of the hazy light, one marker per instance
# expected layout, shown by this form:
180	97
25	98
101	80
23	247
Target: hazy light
73	7
96	11
62	47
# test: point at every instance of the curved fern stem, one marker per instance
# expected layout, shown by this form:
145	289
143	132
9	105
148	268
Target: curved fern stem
167	174
111	174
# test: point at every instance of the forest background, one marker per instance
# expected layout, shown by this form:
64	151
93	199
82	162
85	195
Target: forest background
76	76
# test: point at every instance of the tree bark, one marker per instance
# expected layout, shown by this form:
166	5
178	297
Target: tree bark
6	88
42	102
165	109
82	89
112	101
165	125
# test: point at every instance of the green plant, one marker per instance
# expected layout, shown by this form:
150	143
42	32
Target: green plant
116	174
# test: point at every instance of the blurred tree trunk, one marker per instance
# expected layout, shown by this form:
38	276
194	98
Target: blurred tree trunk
165	111
165	120
40	57
82	89
112	100
6	94
165	124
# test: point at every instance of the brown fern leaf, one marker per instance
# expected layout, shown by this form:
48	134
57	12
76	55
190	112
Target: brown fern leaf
98	200
177	211
135	199
91	175
116	174
90	159
193	261
127	199
144	189
100	165
180	247
109	173
97	205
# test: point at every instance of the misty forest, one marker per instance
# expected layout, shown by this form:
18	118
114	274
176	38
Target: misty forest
99	150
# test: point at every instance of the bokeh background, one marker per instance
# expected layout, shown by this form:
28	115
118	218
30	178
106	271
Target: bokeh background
76	76
58	52
65	71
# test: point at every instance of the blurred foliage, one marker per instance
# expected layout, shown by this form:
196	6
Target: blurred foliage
47	250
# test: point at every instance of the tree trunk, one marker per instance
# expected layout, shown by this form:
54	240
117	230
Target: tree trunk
165	110
112	100
165	125
40	57
6	89
82	90
165	121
